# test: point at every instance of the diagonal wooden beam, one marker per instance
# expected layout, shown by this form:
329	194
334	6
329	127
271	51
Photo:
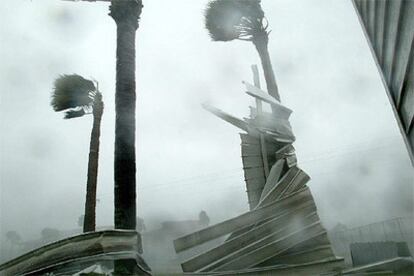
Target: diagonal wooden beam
273	246
277	224
226	117
281	110
228	226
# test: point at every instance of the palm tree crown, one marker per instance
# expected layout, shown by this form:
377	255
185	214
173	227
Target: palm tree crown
75	95
244	20
235	19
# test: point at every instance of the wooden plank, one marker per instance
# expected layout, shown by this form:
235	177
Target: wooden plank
272	247
403	47
390	37
322	267
291	160
255	182
276	125
250	150
260	242
255	200
248	139
309	255
319	241
273	178
226	117
252	161
279	137
264	155
278	224
251	217
300	181
253	173
255	150
322	240
256	81
285	151
279	110
249	227
294	179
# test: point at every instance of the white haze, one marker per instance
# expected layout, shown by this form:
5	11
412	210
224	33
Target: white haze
188	160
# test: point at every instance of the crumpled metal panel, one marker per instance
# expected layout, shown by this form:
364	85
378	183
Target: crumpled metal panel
69	254
389	28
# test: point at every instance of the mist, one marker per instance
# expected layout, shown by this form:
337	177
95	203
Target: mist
187	160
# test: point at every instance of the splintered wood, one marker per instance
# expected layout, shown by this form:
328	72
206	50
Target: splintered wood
282	227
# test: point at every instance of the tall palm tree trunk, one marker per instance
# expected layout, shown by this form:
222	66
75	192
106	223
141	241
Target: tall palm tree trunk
260	40
90	204
126	15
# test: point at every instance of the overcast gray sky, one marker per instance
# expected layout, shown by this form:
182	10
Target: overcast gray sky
347	138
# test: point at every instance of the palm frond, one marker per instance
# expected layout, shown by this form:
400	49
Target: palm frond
234	19
72	91
70	114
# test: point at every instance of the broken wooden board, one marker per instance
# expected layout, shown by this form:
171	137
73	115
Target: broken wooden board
255	149
285	151
261	241
276	224
289	256
226	117
329	266
280	110
267	122
253	165
273	178
251	217
252	161
271	246
299	257
293	180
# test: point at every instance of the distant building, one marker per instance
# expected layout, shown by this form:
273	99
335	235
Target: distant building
158	246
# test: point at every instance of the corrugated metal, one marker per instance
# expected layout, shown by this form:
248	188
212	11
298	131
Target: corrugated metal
397	230
389	28
371	252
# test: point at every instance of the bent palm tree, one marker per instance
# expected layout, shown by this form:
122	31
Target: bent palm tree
244	20
77	97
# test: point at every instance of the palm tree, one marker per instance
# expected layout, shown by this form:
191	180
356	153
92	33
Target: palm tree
227	20
77	97
126	15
